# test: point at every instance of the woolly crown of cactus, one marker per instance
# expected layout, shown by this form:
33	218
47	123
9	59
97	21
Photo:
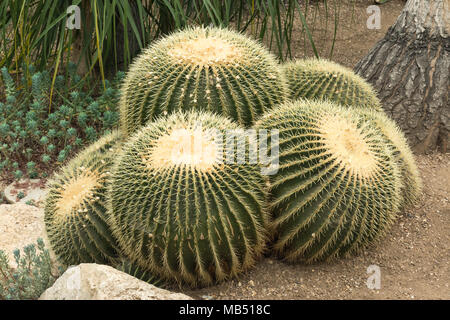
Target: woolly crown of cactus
179	210
209	69
327	80
75	208
338	187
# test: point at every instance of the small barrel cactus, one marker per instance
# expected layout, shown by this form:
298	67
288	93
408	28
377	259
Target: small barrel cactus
338	185
210	69
326	80
75	208
182	212
412	183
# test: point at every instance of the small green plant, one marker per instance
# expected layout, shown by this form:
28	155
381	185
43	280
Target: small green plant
35	135
31	203
327	80
209	69
179	210
33	274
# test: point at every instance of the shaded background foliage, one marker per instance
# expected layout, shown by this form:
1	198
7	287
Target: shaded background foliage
58	90
112	32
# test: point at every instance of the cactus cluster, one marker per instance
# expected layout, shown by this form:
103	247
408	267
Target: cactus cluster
32	273
326	80
338	186
75	208
163	201
208	69
191	217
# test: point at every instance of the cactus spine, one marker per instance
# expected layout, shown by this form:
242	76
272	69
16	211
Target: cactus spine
136	271
326	80
179	210
338	186
208	69
75	208
412	183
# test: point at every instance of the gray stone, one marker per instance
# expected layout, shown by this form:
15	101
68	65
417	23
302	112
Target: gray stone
89	281
33	190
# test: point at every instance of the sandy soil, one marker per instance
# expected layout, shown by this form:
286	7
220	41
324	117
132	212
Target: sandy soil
353	39
414	258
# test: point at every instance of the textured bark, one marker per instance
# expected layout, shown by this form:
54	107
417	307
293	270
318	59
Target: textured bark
79	55
409	68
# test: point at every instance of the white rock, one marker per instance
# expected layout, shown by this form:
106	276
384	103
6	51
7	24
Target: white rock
89	281
20	225
33	190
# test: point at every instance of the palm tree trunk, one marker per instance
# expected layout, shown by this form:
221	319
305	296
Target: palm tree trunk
410	68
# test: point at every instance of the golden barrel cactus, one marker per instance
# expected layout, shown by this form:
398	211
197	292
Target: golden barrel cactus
179	209
75	209
338	188
209	69
327	80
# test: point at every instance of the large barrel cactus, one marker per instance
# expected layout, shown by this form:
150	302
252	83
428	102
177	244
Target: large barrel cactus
138	272
203	68
327	80
338	185
179	209
75	208
412	183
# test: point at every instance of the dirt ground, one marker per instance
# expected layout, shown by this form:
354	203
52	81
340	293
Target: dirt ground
414	257
353	38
